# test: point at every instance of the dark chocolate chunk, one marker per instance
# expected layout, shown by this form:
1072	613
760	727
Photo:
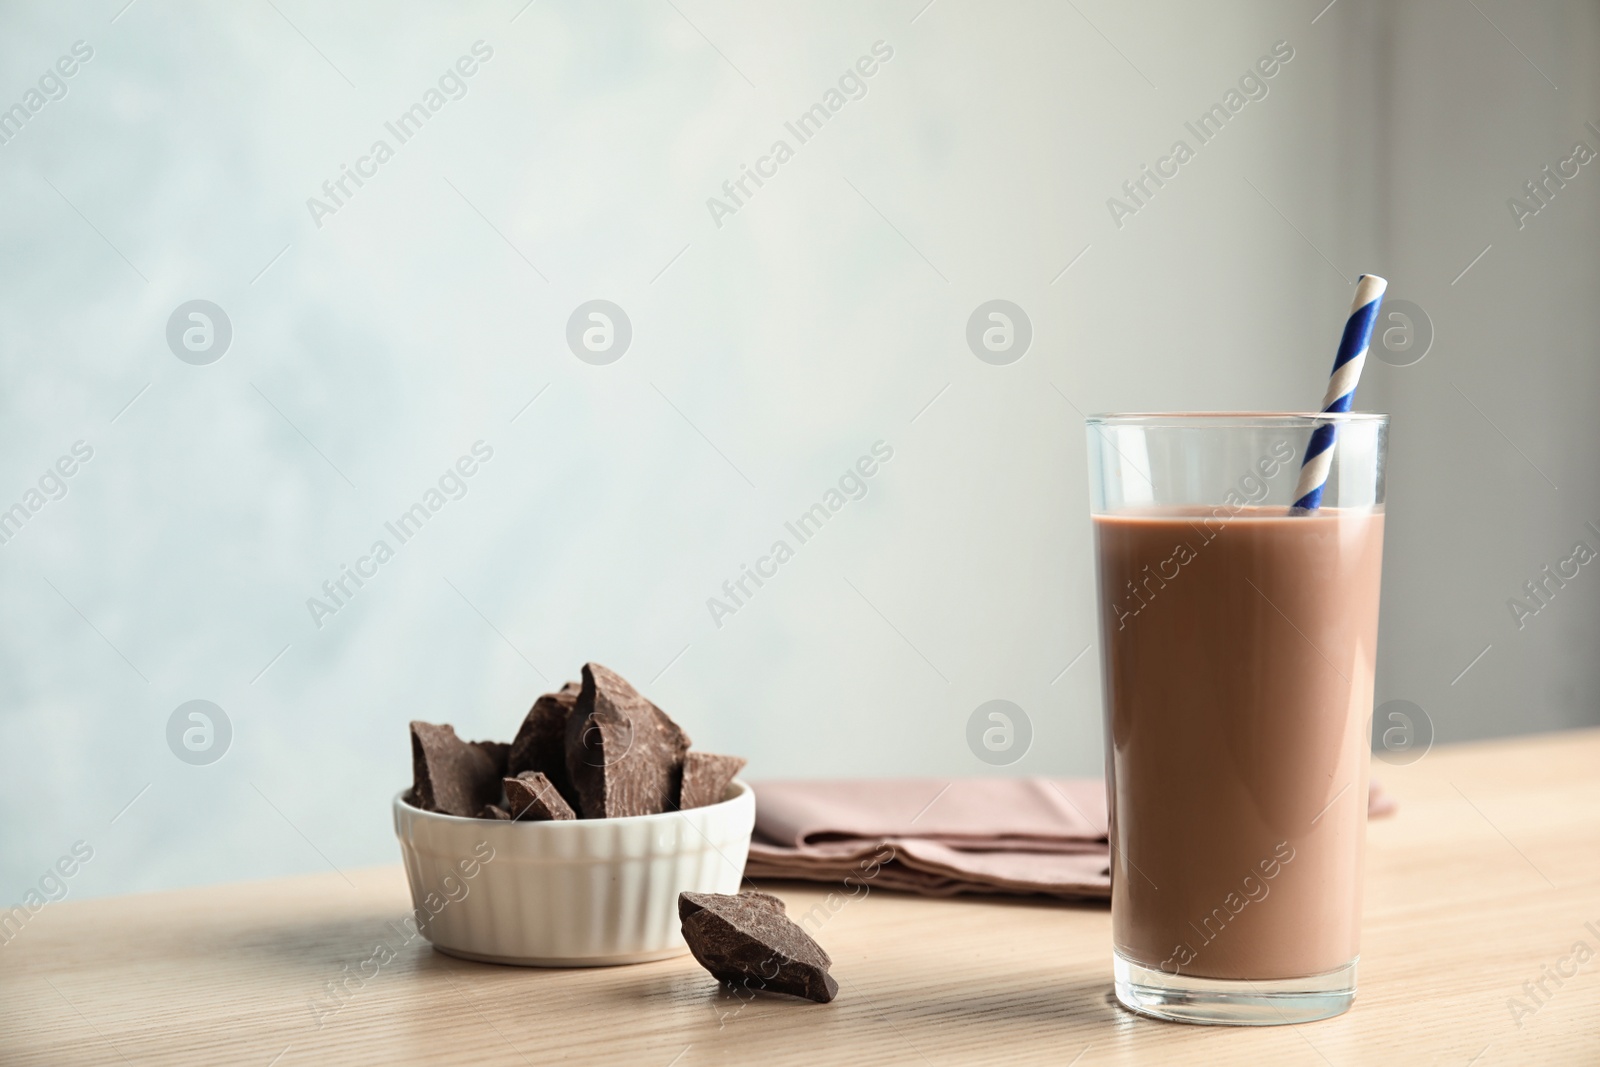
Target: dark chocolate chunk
541	742
533	798
689	903
745	941
758	897
624	755
450	776
497	751
494	811
706	777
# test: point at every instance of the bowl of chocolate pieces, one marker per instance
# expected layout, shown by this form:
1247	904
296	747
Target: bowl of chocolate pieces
569	846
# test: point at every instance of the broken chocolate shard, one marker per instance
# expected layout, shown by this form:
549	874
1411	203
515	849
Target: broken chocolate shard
533	798
624	755
744	941
497	751
541	742
706	777
758	897
494	811
689	903
450	775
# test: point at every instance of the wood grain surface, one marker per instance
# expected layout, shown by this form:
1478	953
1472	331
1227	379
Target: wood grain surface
1482	882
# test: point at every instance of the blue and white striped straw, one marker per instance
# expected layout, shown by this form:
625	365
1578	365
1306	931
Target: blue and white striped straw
1341	390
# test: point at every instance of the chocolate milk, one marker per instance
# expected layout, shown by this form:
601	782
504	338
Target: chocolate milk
1238	658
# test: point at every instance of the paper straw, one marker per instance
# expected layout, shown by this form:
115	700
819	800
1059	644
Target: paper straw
1341	390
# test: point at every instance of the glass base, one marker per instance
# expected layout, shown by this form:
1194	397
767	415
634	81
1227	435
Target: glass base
1233	1002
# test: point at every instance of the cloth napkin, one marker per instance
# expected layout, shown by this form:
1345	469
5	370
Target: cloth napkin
940	837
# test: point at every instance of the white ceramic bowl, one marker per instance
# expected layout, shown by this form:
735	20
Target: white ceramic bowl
580	893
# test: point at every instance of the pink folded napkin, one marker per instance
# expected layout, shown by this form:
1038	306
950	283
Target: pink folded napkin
940	837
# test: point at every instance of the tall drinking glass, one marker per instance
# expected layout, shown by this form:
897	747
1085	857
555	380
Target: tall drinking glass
1238	640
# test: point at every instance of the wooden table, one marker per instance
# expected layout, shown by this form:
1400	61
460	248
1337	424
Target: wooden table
1486	877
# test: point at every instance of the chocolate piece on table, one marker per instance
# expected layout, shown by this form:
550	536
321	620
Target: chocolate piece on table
497	751
534	798
706	777
494	811
758	897
746	942
449	775
624	755
541	741
689	903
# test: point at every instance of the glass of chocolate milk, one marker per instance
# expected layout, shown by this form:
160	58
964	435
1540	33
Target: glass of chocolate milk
1238	638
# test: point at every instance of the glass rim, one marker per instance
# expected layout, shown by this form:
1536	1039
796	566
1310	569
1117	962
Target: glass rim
1218	418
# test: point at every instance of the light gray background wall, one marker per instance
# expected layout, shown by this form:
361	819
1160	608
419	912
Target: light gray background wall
768	354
